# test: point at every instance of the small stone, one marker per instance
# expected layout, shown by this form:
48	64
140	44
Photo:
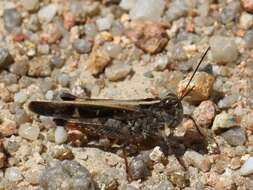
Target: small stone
33	23
230	12
82	46
128	187
52	33
28	131
20	68
138	168
60	135
30	5
20	97
248	38
235	136
224	121
204	113
176	10
202	85
5	58
197	160
247	5
106	182
66	175
47	13
247	167
127	4
13	174
247	121
39	67
246	20
57	61
228	101
12	19
43	49
8	128
165	185
223	54
61	152
150	10
99	59
104	23
49	95
33	174
161	63
117	71
157	155
63	79
112	49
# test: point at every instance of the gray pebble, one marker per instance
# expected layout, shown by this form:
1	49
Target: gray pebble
176	10
82	46
33	23
230	12
63	79
235	136
223	49
138	168
57	61
248	38
5	58
66	175
20	97
12	19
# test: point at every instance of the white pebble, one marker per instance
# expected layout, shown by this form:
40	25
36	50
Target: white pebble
28	131
49	95
246	20
47	13
30	5
127	4
104	23
60	135
147	10
13	174
247	167
20	97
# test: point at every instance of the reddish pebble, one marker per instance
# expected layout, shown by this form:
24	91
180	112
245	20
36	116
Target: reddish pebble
8	128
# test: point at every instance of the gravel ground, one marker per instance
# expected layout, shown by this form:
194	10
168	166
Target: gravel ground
127	49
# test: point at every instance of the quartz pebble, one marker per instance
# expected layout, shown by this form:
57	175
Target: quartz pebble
223	54
197	160
20	97
33	174
247	167
202	83
147	10
223	121
12	19
112	49
66	175
47	13
13	174
60	135
235	136
82	46
28	131
104	23
205	113
117	71
30	5
246	21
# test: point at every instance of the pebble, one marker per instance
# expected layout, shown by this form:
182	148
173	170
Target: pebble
13	174
49	95
150	10
228	101
127	4
63	79
60	135
138	168
128	187
66	175
224	121
223	54
246	21
20	68
161	63
230	12
247	167
117	71
197	160
8	128
203	84
106	182
5	58
47	13
204	113
247	121
39	67
20	97
157	155
57	61
61	152
2	160
33	174
28	131
43	49
248	38
235	136
82	46
176	10
165	185
30	5
112	49
104	23
33	23
12	19
247	5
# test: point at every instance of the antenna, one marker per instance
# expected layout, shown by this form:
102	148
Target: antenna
185	92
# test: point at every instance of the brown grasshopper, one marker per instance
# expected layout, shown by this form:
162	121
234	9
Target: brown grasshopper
126	121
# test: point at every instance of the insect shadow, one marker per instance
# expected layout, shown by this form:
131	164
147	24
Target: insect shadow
141	123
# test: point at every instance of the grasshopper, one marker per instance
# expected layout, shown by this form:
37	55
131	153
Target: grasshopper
126	121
